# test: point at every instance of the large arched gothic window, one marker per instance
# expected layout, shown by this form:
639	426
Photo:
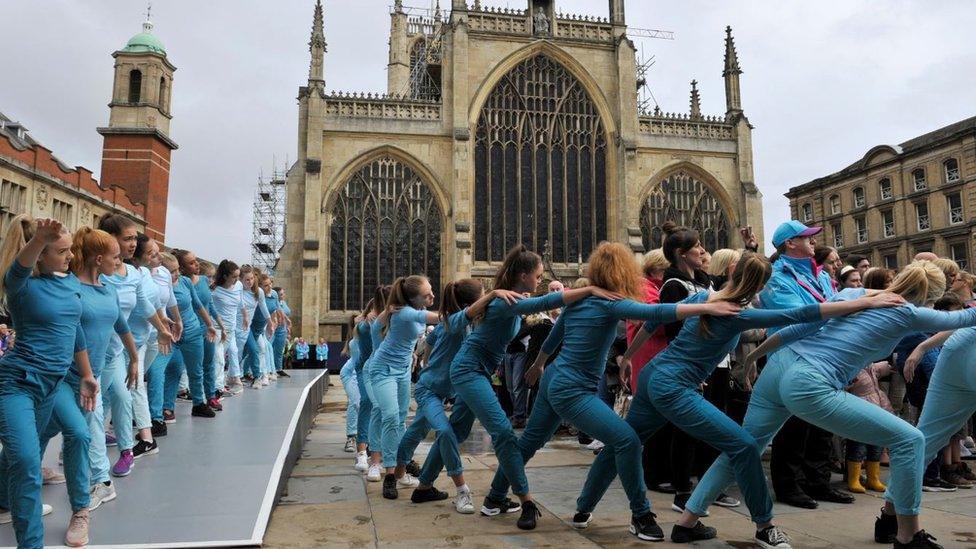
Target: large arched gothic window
540	166
385	224
685	200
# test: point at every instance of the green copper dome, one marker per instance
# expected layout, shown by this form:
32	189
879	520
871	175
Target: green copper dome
145	42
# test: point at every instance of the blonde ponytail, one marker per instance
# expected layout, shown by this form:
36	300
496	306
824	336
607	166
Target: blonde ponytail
19	232
920	283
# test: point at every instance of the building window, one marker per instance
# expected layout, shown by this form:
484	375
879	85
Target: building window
162	94
807	213
385	224
13	202
888	220
922	215
951	170
62	212
885	186
891	261
918	178
685	200
540	167
959	253
135	86
858	197
862	230
838	235
954	202
834	204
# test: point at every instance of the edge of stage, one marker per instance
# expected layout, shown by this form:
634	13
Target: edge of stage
214	482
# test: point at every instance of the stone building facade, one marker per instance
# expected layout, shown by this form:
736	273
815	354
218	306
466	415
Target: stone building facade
135	156
498	126
897	201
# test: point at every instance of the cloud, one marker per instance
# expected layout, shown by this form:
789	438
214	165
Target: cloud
823	82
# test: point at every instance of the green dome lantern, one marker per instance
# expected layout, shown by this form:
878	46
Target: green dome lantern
145	42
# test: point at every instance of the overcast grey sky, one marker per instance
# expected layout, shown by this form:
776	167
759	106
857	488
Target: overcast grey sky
822	83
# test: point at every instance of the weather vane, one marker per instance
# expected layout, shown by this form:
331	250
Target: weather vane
148	11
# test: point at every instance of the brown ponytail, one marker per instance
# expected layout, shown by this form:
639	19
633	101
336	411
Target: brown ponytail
677	240
751	274
458	295
405	289
519	260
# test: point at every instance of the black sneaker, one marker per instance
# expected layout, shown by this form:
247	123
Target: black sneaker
530	514
646	528
680	501
491	507
698	532
413	469
937	485
773	538
158	428
143	448
389	487
725	500
885	528
430	494
202	410
921	540
581	520
184	395
281	373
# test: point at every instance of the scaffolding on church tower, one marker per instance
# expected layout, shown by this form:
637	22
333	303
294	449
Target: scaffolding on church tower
424	83
268	235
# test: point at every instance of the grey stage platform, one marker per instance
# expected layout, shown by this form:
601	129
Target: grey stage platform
214	482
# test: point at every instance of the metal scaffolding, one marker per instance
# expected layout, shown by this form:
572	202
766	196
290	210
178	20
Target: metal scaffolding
269	220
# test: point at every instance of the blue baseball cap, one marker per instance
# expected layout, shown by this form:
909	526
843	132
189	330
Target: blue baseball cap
793	229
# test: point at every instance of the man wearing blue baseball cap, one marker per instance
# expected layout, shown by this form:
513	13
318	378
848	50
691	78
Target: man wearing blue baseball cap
800	464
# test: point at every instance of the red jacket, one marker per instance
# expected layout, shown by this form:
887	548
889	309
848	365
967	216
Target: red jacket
655	344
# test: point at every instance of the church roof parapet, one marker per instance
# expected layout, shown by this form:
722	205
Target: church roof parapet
383	106
685	125
514	21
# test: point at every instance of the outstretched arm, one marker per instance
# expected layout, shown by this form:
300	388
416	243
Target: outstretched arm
913	360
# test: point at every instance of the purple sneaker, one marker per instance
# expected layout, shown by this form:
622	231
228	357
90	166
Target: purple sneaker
123	466
110	440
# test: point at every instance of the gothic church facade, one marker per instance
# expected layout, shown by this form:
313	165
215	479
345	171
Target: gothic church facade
499	126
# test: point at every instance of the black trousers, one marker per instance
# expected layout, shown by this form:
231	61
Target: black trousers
801	459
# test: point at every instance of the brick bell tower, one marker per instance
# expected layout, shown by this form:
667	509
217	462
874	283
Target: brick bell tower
137	147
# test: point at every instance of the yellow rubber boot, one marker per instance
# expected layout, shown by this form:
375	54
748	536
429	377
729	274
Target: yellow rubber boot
873	469
854	477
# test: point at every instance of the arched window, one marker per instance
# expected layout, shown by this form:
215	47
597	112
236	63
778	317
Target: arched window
540	166
162	93
807	212
834	204
884	186
918	178
385	224
425	69
951	170
858	193
685	200
135	86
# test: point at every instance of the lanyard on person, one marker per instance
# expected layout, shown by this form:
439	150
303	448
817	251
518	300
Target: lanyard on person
810	289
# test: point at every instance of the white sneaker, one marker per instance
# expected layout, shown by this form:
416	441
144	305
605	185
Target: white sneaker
361	464
595	445
273	376
6	518
235	386
256	384
463	503
101	494
264	380
374	474
407	481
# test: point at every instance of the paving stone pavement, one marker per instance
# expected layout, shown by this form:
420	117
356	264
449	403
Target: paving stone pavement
329	504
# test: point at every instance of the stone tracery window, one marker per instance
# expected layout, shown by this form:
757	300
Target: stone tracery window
385	224
540	166
685	200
